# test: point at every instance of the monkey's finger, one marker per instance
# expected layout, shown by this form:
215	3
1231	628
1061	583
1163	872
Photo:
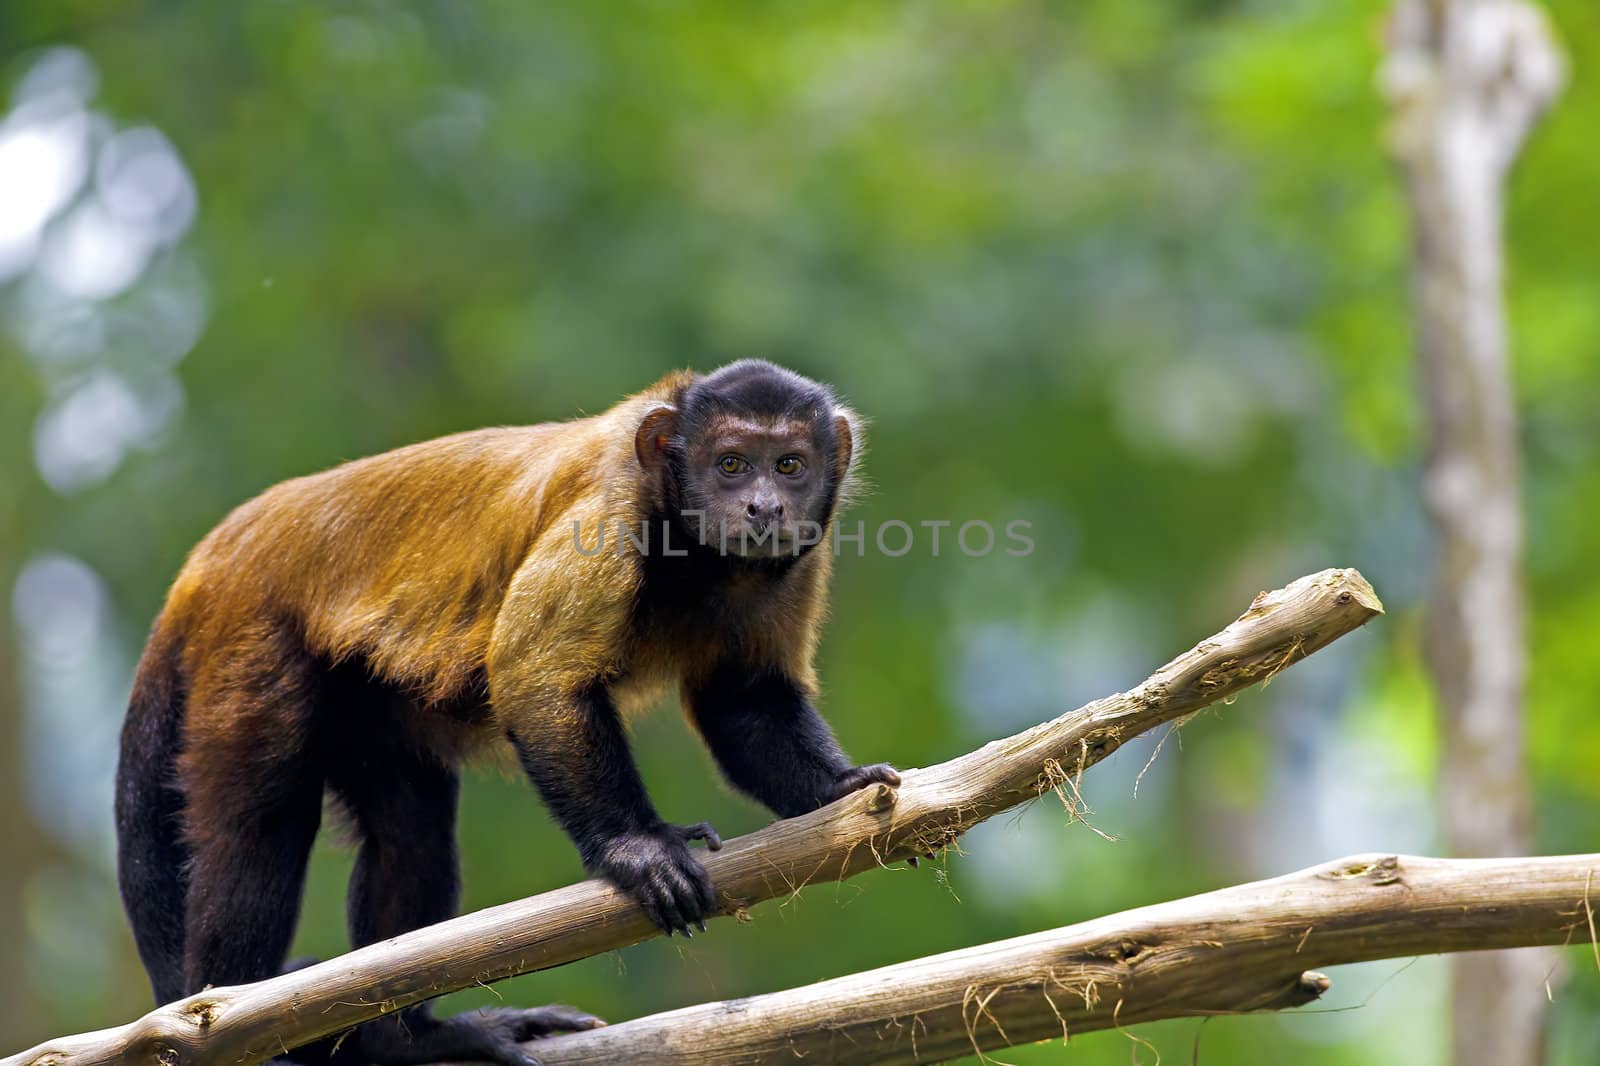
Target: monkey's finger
667	902
671	921
652	909
700	898
703	831
692	903
697	888
705	892
880	771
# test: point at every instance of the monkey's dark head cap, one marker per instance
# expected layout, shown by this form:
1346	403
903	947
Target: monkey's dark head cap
755	386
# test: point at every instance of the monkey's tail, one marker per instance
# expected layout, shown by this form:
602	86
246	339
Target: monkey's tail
152	856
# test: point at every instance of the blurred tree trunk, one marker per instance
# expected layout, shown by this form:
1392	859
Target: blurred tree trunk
20	839
17	1013
1467	80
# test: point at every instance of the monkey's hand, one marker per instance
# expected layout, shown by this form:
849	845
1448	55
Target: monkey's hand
656	868
860	777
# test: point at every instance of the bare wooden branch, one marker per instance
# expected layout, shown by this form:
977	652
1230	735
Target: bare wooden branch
1468	80
933	807
1245	948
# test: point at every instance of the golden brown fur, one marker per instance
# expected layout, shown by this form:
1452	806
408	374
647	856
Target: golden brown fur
447	563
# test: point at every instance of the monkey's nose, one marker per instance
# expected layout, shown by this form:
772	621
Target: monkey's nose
764	510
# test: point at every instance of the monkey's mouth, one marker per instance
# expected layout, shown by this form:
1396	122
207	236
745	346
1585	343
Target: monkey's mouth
758	539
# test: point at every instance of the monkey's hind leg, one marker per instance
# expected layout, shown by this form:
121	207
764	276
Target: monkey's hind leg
252	813
152	857
402	803
252	784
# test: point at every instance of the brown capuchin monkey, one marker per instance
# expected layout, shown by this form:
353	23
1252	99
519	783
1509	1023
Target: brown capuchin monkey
362	631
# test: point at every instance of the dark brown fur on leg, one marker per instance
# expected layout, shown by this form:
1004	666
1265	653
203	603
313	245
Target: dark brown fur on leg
401	801
253	801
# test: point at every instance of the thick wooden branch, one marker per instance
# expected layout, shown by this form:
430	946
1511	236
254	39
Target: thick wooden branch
1246	948
933	807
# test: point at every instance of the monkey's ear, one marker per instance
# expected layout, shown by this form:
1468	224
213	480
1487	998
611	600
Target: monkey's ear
650	440
848	439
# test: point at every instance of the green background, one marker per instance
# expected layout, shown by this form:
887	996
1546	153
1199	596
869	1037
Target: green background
1132	271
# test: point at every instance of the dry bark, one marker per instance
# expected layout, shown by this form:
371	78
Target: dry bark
1467	80
1240	949
930	809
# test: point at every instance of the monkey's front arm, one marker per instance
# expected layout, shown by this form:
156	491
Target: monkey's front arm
555	642
771	743
578	758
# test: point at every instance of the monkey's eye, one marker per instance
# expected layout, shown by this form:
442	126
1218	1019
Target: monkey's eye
790	465
732	464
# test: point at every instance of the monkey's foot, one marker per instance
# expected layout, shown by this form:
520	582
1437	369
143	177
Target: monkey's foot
495	1034
530	1023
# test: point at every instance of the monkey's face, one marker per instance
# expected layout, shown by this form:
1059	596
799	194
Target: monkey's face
756	486
753	458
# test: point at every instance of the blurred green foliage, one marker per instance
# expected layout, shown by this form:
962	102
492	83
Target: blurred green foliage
1133	271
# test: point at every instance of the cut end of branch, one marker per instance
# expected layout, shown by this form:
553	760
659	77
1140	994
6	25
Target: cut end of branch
1279	629
1357	590
882	798
1345	588
1310	988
